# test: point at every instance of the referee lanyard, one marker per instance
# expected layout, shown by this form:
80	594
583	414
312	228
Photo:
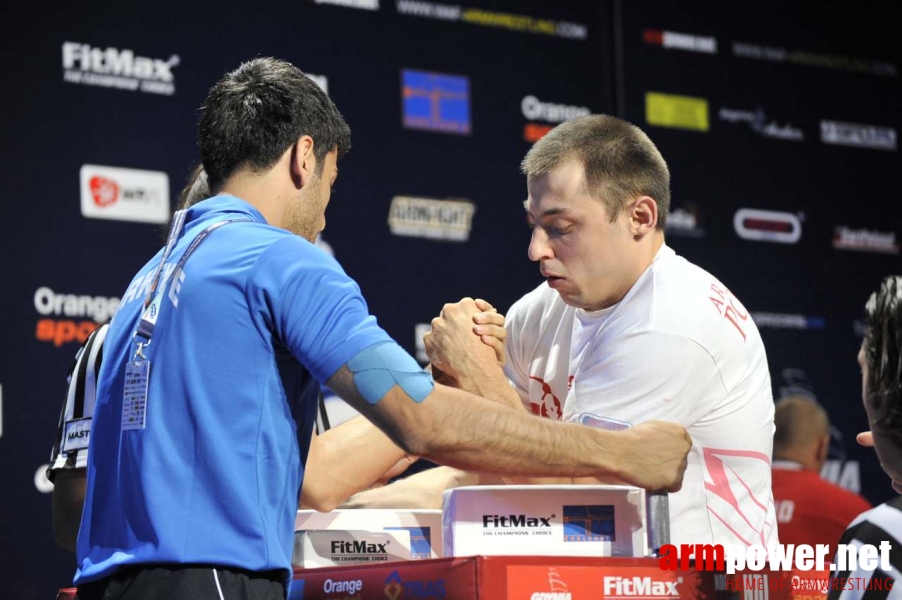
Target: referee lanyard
137	371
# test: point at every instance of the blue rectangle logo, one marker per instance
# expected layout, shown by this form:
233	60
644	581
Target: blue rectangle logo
436	102
589	523
420	541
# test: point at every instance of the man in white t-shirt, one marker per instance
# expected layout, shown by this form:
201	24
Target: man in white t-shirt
623	330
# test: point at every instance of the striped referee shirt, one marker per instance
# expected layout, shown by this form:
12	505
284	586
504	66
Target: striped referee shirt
70	450
883	523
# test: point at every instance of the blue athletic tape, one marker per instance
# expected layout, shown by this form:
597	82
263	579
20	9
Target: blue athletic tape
380	367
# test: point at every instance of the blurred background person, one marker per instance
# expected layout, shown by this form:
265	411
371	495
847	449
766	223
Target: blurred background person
810	510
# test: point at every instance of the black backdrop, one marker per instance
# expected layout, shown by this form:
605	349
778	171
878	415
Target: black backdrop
730	101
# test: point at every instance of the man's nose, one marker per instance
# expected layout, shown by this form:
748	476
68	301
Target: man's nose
538	245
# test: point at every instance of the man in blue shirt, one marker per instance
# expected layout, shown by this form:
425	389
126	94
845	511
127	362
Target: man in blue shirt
207	391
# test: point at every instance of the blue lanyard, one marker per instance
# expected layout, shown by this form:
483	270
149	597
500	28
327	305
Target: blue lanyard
154	297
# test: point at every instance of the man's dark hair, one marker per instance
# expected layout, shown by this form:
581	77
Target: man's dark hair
883	353
256	112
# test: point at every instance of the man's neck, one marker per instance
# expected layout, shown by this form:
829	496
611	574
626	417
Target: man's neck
257	191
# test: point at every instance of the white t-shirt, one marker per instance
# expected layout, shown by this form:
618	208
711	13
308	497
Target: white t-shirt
679	347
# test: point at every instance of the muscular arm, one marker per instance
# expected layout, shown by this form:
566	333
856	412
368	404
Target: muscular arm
421	490
68	500
345	460
458	429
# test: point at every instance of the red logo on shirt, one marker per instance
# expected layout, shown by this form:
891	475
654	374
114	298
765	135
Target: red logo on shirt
105	191
729	308
548	407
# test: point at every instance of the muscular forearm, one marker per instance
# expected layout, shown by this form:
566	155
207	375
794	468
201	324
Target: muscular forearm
516	443
421	490
458	429
345	460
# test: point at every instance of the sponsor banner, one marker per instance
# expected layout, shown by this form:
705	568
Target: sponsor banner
124	194
544	521
481	17
787	321
430	218
436	101
671	40
865	240
759	123
858	135
563	582
70	317
683	222
358	4
679	112
814	59
321	80
111	67
549	112
415	580
844	473
333	547
767	226
423	526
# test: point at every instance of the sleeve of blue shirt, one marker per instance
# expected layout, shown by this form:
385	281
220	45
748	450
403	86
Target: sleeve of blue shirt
312	306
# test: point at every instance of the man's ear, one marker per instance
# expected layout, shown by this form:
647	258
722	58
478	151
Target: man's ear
822	450
303	161
643	212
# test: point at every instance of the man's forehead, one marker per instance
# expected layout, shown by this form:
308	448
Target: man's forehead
547	206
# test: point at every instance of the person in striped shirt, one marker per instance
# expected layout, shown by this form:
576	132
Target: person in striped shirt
880	359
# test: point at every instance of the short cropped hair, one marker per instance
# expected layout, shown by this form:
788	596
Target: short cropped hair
798	422
883	353
620	161
256	112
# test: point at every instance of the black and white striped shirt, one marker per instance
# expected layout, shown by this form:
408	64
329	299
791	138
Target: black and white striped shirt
883	523
70	450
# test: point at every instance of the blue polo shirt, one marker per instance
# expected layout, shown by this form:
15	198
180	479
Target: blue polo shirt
245	334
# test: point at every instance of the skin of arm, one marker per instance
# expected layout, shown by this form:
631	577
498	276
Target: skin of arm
330	477
421	490
68	500
458	429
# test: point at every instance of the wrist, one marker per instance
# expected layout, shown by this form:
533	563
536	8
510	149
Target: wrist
613	455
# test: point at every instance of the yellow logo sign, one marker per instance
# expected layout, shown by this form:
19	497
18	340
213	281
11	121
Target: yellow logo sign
679	112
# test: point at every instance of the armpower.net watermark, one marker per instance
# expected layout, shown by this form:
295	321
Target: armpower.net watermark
794	569
733	558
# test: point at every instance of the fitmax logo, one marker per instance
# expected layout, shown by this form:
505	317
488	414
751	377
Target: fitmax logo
113	61
358	547
505	521
641	586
